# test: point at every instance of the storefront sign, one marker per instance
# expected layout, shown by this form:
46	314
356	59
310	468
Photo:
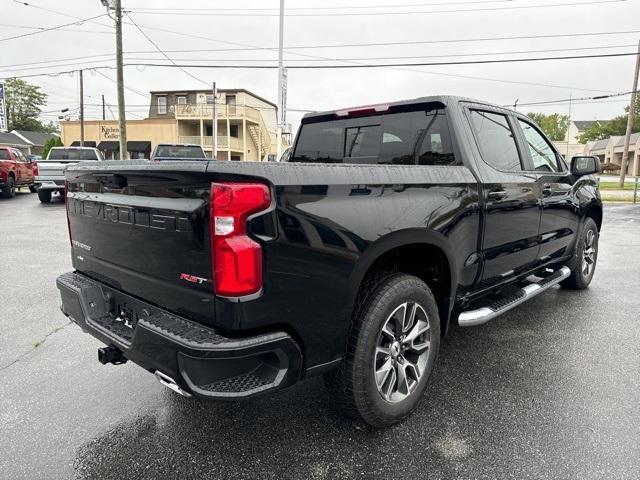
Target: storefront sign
109	133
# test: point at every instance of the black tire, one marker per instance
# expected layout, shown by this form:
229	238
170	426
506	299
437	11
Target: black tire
354	383
581	276
9	190
44	196
33	189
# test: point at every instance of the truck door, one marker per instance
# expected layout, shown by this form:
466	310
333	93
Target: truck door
510	195
23	167
560	219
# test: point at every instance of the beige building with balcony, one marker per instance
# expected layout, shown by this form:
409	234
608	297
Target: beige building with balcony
246	125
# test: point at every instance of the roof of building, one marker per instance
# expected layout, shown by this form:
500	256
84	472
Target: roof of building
220	90
582	125
11	139
632	140
35	138
600	144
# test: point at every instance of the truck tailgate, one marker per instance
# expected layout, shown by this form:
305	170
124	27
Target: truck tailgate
144	231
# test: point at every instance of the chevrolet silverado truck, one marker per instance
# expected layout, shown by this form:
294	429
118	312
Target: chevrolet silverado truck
50	177
16	171
389	225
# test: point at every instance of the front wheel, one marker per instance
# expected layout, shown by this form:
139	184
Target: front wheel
585	256
391	352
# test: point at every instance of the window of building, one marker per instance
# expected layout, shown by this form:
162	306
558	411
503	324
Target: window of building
210	99
418	137
496	140
162	105
181	100
233	131
542	154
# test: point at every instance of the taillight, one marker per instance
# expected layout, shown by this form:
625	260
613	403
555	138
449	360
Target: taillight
236	258
35	169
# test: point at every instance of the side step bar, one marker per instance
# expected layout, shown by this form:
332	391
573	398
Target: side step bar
471	318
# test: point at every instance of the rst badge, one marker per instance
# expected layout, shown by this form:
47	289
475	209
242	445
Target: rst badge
193	279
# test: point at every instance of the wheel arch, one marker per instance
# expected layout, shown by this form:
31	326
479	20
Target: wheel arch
393	253
594	211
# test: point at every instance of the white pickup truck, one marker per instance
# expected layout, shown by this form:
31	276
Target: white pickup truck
50	176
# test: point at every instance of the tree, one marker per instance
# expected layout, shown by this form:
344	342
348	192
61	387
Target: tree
52	142
554	125
24	102
615	126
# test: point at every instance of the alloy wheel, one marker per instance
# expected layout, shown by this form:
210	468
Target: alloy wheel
589	254
402	352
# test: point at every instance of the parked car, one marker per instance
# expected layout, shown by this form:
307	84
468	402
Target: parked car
388	225
16	171
177	151
50	177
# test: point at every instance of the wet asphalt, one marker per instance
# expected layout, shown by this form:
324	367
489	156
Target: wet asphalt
548	390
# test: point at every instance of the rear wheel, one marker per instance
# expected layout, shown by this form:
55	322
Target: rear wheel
391	351
585	256
9	190
44	196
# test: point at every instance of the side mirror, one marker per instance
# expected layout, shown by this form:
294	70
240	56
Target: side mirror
585	165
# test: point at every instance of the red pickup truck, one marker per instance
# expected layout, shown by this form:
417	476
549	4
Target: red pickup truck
16	170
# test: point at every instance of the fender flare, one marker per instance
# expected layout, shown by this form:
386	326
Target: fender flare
397	239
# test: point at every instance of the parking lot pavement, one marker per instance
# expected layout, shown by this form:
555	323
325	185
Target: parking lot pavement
548	390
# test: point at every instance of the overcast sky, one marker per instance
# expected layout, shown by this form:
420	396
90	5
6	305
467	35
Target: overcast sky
229	27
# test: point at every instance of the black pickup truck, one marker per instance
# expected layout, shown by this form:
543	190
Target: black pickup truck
389	225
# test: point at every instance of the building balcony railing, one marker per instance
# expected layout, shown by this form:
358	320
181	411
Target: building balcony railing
223	143
205	111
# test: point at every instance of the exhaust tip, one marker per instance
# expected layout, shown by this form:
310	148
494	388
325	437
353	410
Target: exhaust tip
170	383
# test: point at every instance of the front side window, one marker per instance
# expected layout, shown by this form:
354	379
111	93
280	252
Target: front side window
19	156
542	154
496	141
162	105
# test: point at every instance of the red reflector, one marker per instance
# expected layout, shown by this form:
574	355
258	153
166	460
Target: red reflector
236	258
66	207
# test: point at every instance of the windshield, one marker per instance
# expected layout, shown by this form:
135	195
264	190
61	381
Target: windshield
179	152
73	154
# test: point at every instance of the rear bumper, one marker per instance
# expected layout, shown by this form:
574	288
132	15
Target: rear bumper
200	360
50	183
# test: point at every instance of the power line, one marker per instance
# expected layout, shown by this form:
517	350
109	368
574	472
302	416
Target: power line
131	89
360	14
161	51
26	27
37	65
564	100
51	28
327	8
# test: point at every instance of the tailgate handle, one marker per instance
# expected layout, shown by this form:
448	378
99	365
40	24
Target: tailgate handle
111	180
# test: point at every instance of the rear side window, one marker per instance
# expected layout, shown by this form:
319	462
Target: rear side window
496	140
407	138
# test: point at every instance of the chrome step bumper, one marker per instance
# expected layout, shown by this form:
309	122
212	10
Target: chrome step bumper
482	315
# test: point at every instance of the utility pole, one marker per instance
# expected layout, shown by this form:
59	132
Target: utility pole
104	116
214	124
281	112
568	125
627	135
122	121
81	110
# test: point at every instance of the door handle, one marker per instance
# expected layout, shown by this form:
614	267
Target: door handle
497	195
546	189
